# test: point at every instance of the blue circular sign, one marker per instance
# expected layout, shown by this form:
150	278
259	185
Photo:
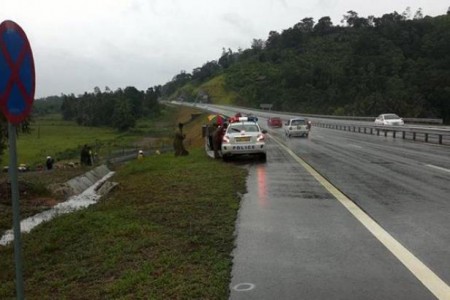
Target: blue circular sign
17	74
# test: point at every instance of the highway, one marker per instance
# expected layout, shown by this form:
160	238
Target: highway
300	242
343	215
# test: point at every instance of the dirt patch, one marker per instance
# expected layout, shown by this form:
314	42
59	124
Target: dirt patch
34	196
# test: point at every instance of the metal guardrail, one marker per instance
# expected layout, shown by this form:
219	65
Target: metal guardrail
428	135
354	118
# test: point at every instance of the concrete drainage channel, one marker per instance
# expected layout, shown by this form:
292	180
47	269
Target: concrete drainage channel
82	191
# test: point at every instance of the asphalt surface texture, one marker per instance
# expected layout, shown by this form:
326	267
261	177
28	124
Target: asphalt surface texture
296	240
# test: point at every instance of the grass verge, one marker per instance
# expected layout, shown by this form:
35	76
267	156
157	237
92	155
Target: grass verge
167	232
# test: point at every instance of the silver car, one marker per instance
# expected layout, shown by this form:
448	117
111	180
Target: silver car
244	138
297	127
389	119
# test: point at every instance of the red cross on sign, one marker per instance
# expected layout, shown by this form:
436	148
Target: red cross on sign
17	77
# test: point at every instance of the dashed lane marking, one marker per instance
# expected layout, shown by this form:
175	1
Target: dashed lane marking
354	146
428	278
438	168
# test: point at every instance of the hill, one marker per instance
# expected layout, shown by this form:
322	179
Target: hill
370	66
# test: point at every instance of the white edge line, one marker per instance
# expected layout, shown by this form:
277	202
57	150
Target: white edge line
428	278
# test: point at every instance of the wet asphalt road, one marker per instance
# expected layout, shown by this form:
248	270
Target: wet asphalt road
295	240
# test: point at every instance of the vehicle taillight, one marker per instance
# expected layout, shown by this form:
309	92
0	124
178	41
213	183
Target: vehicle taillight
260	138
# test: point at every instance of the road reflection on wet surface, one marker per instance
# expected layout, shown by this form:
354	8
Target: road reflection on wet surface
296	241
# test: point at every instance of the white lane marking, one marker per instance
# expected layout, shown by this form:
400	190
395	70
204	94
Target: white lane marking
428	278
354	146
244	287
438	168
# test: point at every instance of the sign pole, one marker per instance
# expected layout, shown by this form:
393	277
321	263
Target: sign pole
12	170
17	85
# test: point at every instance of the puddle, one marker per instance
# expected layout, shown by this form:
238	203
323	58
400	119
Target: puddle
77	202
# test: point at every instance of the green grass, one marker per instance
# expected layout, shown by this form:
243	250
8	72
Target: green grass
166	232
63	140
57	138
215	89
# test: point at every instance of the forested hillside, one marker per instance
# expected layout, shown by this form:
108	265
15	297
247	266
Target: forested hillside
394	63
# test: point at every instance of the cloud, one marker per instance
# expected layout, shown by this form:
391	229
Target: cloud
86	43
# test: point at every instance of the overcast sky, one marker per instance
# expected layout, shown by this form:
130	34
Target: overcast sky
80	44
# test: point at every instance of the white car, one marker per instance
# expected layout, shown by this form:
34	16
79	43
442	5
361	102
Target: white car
243	137
297	127
389	119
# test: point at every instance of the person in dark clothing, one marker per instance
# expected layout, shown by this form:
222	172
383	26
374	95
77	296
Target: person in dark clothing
217	138
216	141
85	158
49	162
178	141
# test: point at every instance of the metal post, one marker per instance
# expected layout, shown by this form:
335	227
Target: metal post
12	170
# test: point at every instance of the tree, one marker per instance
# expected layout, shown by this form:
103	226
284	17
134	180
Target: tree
226	59
324	25
135	98
258	44
208	70
419	15
306	25
122	117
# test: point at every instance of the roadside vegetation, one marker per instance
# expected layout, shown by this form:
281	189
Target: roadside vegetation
166	232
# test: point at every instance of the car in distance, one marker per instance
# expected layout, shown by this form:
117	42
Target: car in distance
274	122
297	127
243	137
252	118
389	119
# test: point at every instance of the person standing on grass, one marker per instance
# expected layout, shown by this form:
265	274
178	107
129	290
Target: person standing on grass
49	162
216	139
178	141
85	159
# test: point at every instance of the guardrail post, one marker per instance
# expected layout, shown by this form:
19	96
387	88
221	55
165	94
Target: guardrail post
440	139
385	133
403	134
393	133
378	131
426	137
414	136
371	130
